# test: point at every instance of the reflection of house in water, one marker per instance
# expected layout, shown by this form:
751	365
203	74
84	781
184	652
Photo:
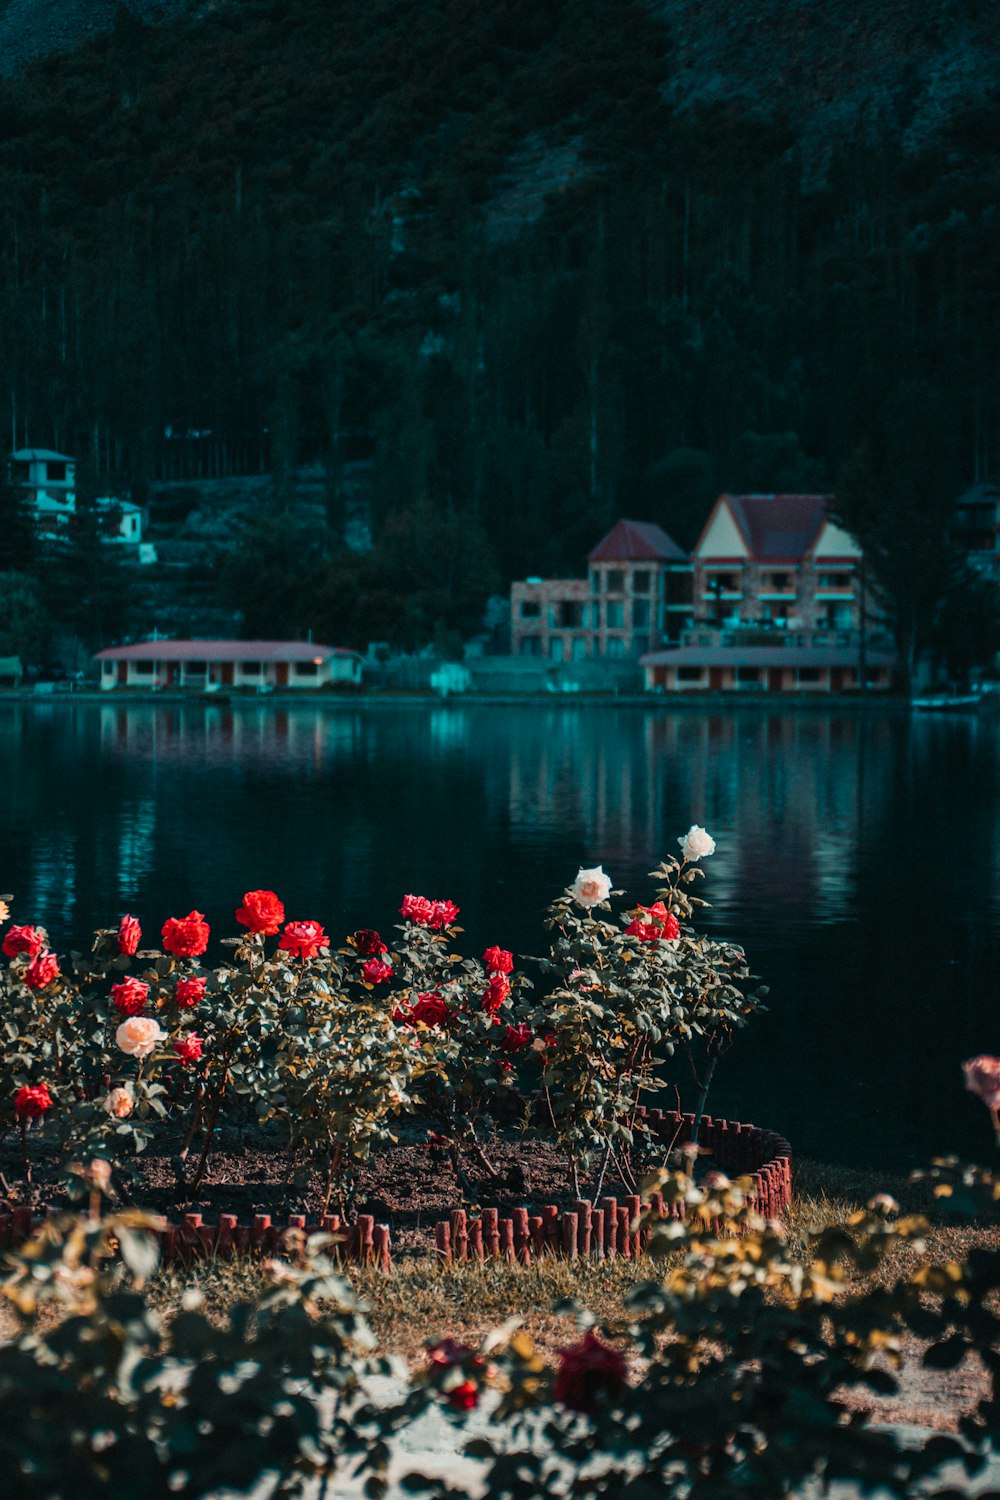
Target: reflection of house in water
785	795
216	734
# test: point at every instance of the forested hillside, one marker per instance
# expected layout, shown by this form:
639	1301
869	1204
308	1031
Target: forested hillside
539	262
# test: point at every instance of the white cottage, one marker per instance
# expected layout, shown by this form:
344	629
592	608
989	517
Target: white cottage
209	666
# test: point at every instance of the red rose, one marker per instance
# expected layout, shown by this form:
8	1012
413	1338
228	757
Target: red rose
498	960
375	971
30	1103
661	924
464	1396
261	912
368	943
23	940
186	937
589	1373
431	1009
188	1048
432	914
516	1037
189	992
496	993
303	938
130	996
43	968
129	936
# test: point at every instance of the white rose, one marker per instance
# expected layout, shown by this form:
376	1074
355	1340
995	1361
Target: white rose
590	887
119	1103
139	1035
696	843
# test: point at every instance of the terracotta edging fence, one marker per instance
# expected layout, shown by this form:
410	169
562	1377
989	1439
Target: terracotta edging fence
364	1242
606	1229
599	1231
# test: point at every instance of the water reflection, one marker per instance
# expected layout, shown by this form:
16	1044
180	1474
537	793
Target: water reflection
858	857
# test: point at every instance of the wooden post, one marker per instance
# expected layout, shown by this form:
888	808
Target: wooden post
570	1226
583	1210
491	1231
442	1237
597	1233
459	1235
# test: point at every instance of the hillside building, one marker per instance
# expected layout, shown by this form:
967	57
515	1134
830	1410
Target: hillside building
637	594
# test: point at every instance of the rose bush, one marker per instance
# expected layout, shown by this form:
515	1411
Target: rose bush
339	1044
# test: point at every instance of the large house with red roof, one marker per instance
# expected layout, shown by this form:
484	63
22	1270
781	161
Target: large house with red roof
636	596
209	666
779	604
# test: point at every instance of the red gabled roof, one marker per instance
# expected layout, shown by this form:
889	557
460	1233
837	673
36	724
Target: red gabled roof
221	651
778	528
637	541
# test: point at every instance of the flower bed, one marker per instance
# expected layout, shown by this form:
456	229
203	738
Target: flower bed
130	1050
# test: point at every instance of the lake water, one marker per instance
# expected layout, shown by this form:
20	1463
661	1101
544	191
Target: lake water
858	861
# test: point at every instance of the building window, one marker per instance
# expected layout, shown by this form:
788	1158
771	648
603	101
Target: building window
555	648
250	668
56	472
306	669
579	648
640	644
566	614
640	582
595	616
108	668
834	580
615	614
615	647
531	609
143	668
640	613
616	581
748	674
809	674
531	645
595	581
689	674
780	583
195	668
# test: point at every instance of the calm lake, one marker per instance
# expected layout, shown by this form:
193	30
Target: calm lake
858	861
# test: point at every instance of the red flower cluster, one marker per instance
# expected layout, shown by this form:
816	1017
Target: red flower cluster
186	937
431	1009
369	944
189	992
432	914
660	924
23	940
304	939
498	960
374	971
129	936
261	912
589	1373
188	1048
516	1037
496	993
131	996
41	971
449	1354
30	1102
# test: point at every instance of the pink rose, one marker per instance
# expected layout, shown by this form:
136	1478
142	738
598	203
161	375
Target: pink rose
591	887
139	1035
696	843
303	938
119	1103
131	996
129	936
186	937
982	1077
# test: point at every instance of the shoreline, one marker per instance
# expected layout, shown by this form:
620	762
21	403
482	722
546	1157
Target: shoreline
339	702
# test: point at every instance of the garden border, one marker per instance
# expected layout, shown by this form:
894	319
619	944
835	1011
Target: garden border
607	1229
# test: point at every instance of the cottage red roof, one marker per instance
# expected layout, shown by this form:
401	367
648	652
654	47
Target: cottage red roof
287	651
778	528
637	541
